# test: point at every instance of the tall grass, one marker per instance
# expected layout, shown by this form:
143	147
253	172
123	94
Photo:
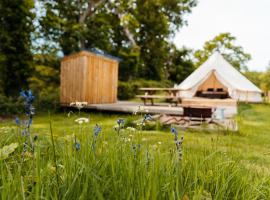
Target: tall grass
124	167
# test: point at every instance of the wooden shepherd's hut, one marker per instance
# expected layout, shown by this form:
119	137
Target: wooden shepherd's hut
88	77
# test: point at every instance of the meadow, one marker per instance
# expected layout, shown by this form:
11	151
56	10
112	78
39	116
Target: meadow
71	161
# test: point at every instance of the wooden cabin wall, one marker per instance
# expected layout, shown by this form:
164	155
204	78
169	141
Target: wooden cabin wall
88	77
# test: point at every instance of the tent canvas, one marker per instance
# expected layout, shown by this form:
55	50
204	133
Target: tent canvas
216	72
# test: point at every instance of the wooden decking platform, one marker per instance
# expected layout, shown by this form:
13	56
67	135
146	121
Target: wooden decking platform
229	106
132	107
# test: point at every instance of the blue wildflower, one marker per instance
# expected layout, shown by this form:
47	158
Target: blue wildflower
120	122
178	143
174	131
28	96
29	122
28	101
17	121
97	130
24	132
147	117
77	146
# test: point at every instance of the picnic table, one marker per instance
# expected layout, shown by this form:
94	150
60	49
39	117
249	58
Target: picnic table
151	94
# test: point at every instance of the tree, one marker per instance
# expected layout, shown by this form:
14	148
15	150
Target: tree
265	79
138	31
180	65
16	26
255	77
225	44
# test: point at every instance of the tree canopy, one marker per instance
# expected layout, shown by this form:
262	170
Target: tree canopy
138	31
16	28
225	44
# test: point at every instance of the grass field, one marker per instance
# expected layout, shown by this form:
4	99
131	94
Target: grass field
137	165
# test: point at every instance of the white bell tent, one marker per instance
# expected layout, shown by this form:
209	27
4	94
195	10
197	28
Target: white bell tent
219	75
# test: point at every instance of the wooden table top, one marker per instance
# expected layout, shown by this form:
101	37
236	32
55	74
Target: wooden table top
159	89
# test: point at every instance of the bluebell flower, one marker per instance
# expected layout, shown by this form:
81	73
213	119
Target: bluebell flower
24	146
120	121
147	117
17	121
178	143
77	146
173	130
97	130
29	122
25	132
28	96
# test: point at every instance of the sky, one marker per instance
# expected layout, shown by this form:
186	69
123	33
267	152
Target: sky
247	20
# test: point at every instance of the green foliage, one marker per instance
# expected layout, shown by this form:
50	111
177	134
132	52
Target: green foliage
179	65
255	77
128	90
10	105
265	80
16	26
48	99
260	79
7	150
44	82
135	30
225	44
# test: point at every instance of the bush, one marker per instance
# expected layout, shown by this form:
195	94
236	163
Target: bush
10	106
128	90
48	99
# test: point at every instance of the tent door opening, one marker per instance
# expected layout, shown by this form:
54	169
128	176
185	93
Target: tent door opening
212	88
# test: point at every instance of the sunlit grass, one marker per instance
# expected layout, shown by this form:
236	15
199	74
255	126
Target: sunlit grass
140	165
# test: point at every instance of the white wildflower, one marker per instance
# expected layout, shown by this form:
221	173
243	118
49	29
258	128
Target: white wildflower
78	105
141	124
115	127
82	120
139	110
159	143
131	129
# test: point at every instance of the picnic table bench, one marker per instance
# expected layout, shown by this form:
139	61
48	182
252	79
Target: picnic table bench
150	95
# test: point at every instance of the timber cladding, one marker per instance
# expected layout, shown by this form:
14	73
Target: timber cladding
88	77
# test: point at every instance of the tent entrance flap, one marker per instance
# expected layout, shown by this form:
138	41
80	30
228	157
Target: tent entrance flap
212	87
